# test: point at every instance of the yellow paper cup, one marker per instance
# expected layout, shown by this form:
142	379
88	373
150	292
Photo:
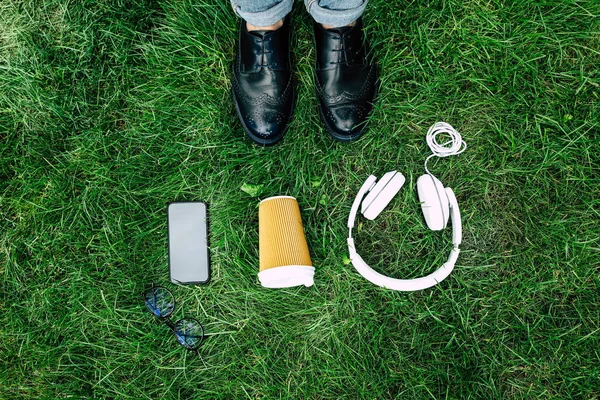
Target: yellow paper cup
284	257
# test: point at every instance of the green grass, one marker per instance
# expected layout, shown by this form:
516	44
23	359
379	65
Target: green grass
111	109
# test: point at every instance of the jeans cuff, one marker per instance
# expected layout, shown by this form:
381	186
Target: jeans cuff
335	18
266	17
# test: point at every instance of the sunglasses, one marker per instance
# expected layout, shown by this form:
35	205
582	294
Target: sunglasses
188	331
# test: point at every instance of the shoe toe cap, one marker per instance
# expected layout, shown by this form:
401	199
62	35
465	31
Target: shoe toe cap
266	126
347	122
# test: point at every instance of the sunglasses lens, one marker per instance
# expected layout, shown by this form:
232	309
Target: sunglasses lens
189	333
159	301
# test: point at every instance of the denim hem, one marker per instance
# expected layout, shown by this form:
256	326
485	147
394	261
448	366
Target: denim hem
335	18
266	17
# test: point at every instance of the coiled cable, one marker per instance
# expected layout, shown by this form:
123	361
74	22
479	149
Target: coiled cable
449	148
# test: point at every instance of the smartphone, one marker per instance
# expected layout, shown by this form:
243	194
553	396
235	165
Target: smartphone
188	243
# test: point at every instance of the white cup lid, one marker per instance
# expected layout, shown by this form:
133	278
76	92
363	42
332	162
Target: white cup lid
288	276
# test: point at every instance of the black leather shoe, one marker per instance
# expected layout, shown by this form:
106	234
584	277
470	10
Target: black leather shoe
346	79
262	83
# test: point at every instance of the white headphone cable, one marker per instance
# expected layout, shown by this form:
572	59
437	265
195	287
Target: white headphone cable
452	147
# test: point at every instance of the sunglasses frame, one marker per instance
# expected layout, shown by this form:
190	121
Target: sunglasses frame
166	319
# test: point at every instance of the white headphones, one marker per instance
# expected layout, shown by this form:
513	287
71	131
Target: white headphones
437	202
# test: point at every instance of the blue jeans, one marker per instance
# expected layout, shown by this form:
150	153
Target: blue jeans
327	12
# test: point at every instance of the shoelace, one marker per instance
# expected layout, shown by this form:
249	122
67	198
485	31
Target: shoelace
264	59
343	49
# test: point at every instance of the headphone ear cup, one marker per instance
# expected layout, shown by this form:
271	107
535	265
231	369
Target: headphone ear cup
381	194
434	202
